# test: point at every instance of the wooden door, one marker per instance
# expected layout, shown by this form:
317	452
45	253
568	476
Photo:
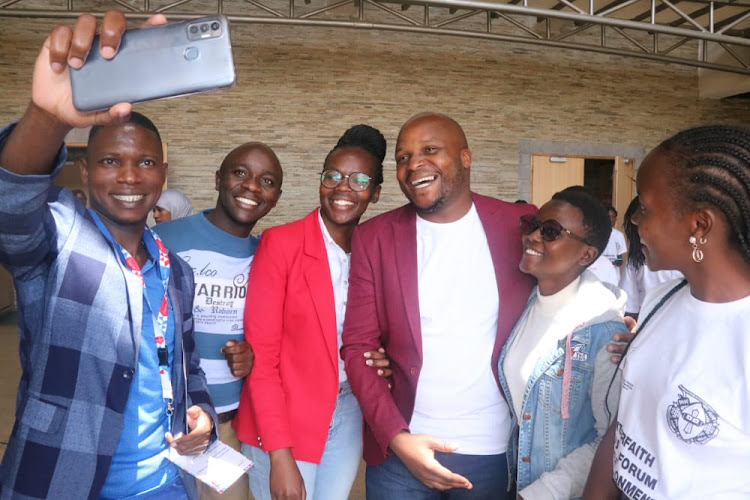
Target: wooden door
549	177
623	187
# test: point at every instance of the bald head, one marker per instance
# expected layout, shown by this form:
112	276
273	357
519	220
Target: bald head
237	154
249	185
447	124
432	167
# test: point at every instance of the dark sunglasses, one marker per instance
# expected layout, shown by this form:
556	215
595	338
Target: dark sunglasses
549	230
358	181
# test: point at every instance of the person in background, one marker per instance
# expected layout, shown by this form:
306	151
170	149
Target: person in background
637	279
172	205
616	247
298	418
218	245
80	195
110	379
554	368
605	271
683	427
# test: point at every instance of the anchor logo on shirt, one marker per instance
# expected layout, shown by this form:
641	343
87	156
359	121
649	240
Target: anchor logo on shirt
692	419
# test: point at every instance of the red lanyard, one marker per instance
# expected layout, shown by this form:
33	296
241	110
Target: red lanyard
159	316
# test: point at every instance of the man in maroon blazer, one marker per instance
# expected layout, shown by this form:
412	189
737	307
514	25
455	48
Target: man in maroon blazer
435	282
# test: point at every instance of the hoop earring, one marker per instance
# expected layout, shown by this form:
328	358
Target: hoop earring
697	252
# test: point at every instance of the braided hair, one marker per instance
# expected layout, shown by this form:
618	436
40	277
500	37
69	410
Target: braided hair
711	167
636	257
368	139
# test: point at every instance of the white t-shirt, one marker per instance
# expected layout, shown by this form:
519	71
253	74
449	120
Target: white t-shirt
616	245
605	271
637	282
683	426
458	398
548	321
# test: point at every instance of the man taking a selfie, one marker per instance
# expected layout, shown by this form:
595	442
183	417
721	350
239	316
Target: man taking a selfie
110	379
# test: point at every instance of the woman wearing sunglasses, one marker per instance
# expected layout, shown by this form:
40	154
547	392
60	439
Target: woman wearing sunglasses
555	369
298	418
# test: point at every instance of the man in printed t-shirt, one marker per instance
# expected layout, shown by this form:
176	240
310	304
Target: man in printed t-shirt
218	245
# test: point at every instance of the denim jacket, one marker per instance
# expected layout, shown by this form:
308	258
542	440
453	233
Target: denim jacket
552	454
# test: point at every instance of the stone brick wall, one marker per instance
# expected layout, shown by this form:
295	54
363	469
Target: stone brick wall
299	88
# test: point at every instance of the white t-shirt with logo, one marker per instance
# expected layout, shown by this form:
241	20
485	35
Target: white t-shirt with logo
683	429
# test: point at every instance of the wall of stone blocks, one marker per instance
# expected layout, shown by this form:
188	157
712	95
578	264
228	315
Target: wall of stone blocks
299	88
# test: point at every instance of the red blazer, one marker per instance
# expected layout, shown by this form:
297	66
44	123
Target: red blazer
383	309
290	321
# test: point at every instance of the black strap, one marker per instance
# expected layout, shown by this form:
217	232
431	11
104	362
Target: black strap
663	300
658	306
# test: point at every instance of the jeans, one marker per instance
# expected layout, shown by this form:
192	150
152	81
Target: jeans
488	475
333	477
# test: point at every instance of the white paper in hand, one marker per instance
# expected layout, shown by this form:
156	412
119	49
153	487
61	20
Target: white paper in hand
219	466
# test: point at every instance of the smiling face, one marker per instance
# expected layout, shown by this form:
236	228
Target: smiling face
249	185
341	206
432	167
663	231
124	172
555	264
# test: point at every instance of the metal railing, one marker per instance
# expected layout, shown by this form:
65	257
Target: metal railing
651	34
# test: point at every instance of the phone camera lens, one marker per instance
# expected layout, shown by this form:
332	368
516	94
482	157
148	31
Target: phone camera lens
215	26
204	27
194	29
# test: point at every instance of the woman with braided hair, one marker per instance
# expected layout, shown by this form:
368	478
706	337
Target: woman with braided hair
683	426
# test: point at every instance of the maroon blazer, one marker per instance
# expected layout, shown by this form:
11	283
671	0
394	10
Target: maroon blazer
383	309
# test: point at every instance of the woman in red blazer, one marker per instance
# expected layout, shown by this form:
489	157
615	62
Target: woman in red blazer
298	418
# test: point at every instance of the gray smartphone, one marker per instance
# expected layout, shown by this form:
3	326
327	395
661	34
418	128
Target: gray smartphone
157	61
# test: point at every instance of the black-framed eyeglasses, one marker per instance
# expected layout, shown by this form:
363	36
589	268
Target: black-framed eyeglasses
550	229
358	181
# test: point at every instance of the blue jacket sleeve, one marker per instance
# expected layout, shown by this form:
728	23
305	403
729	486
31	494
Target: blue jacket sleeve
27	227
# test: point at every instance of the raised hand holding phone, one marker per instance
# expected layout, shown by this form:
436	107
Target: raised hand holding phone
36	139
67	48
155	62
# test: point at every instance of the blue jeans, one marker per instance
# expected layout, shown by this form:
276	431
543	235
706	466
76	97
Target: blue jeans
333	477
488	474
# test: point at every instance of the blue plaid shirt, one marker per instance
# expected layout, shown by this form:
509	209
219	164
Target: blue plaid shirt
80	318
